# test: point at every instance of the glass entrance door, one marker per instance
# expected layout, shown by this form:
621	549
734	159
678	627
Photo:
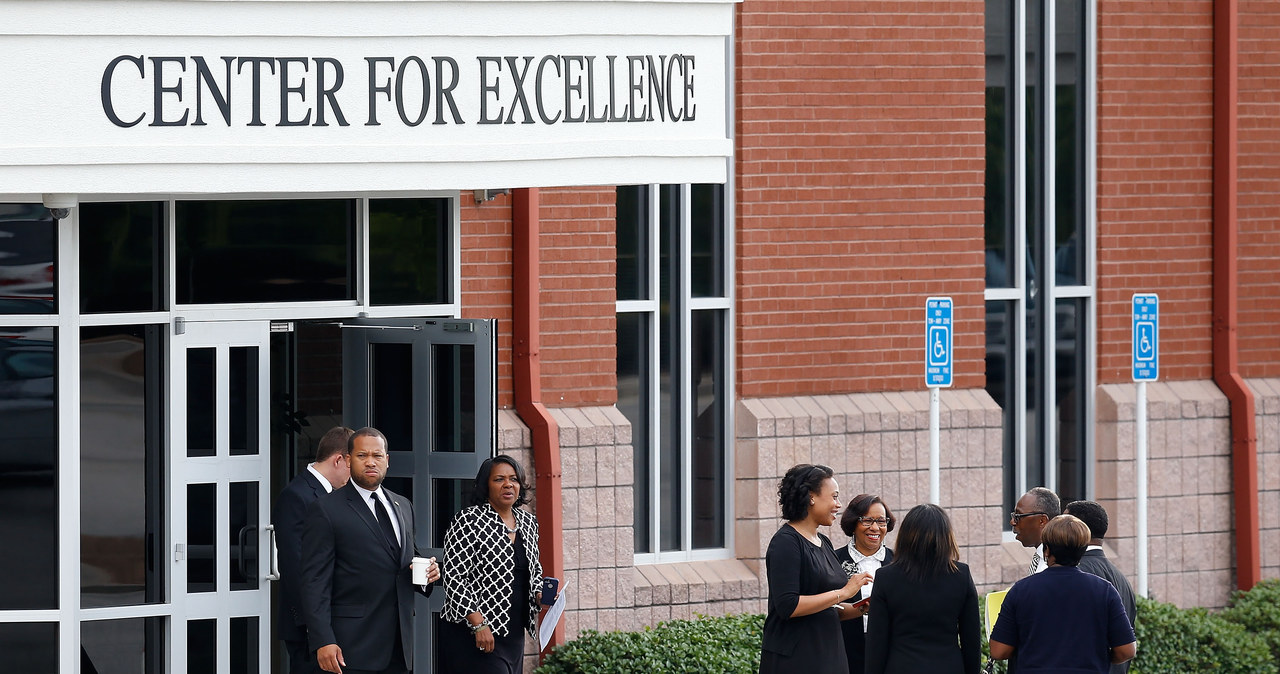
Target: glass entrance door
219	500
429	386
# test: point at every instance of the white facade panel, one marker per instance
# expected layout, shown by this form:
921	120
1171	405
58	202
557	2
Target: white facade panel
234	96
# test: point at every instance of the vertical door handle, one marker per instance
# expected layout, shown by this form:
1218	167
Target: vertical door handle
245	571
275	555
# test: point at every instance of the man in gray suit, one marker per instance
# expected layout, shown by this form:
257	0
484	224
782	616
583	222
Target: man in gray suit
1095	561
357	544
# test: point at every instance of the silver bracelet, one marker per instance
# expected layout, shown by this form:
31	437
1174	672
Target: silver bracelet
483	624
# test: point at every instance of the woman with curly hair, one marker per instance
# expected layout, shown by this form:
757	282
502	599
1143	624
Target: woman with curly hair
806	584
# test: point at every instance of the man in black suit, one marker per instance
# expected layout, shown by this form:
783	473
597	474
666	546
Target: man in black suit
1095	561
327	472
357	544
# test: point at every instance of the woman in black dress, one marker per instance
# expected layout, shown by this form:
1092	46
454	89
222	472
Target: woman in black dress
866	522
924	610
492	578
806	583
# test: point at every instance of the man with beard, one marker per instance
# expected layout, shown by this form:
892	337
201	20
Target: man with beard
357	544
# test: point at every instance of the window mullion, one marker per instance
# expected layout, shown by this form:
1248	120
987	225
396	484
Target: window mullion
1048	419
654	371
684	384
1018	351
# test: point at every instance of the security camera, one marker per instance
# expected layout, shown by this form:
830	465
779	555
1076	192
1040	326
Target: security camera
60	205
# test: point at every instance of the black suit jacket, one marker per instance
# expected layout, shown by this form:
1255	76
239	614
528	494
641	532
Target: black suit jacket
928	625
854	637
359	592
1096	563
288	514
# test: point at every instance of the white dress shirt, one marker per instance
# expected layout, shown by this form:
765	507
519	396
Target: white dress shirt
324	481
1043	563
382	496
866	564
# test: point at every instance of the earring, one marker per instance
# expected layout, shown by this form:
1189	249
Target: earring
810	501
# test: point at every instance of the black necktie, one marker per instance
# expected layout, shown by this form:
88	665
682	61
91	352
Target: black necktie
383	516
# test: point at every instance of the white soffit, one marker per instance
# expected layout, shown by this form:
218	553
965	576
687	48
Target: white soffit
236	96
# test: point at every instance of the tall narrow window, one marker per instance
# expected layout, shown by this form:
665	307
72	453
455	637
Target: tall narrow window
1039	233
673	340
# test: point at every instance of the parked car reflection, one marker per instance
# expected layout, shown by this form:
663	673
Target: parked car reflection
26	259
27	411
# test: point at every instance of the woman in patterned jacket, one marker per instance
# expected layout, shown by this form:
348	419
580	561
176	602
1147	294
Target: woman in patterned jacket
492	577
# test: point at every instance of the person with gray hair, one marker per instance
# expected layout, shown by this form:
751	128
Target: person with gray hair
1095	561
1029	517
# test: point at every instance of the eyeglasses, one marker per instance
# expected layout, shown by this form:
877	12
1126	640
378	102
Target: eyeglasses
1017	517
868	521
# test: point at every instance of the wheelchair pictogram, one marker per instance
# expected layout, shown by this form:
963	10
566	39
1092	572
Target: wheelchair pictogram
1146	345
938	346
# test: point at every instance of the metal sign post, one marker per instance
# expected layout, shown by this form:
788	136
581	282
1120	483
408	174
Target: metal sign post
1146	367
937	374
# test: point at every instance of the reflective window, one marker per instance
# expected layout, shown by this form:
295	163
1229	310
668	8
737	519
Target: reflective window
244	645
454	397
707	414
265	251
677	419
633	402
998	232
450	497
706	240
29	647
1070	398
128	646
391	393
633	242
243	535
202	646
121	245
1047	234
28	484
409	251
201	404
243	404
121	488
1069	101
202	520
27	253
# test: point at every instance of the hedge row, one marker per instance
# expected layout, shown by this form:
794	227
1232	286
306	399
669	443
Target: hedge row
1243	638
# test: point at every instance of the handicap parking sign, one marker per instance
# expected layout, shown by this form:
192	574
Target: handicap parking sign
1146	337
938	360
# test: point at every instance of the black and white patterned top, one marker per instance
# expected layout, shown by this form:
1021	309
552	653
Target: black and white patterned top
479	567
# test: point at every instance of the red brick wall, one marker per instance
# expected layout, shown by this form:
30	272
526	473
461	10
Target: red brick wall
1155	189
860	152
577	290
1259	188
579	302
486	275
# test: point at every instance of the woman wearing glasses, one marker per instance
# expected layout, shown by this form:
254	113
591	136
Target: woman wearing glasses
924	612
807	587
866	521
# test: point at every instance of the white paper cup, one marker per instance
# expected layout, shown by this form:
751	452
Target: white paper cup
419	567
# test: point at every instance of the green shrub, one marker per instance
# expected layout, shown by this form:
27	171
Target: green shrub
1176	641
725	644
1001	666
1258	611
